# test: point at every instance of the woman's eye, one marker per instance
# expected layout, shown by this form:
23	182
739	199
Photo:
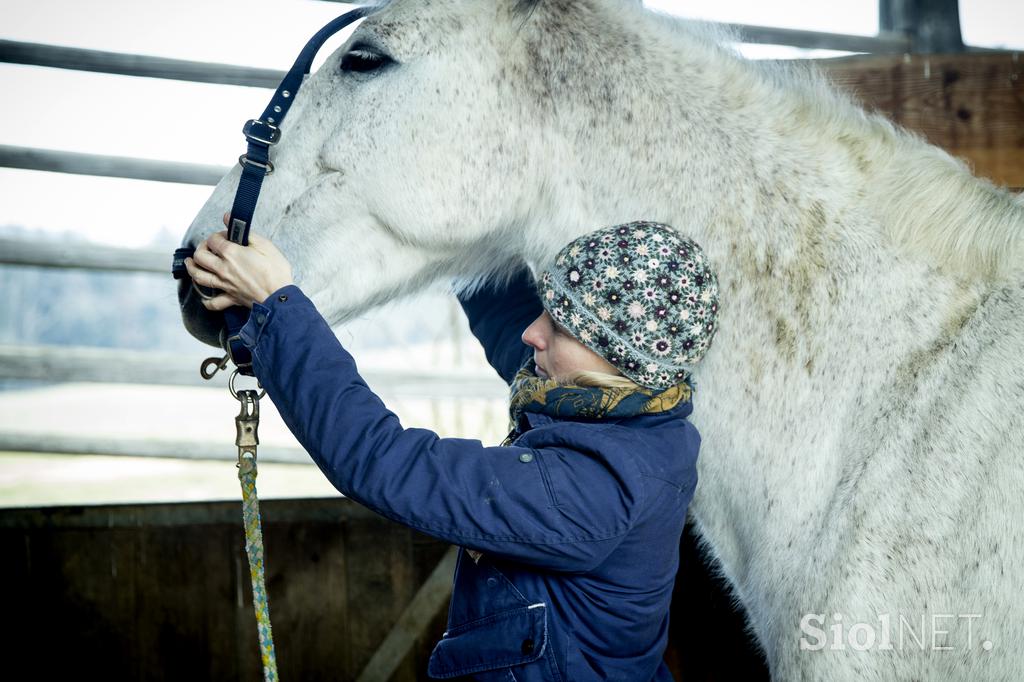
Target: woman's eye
361	60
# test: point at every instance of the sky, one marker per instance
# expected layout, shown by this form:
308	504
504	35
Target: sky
127	116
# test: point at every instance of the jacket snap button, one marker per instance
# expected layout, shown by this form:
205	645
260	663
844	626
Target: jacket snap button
526	457
527	647
492	581
261	318
282	298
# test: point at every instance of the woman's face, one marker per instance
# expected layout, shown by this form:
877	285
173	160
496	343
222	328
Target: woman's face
557	353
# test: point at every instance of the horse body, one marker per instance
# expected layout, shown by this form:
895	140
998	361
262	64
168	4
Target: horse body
862	448
881	490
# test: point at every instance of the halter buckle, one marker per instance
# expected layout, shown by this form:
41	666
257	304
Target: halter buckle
256	130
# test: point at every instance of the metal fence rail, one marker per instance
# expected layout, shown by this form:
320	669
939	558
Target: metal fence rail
84	255
30	158
883	43
99	61
81	59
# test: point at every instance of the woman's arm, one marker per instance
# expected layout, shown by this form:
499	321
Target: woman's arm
492	499
498	315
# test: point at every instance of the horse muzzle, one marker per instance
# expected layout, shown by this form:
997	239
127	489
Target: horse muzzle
206	325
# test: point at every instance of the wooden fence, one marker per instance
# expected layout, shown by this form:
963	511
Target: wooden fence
161	592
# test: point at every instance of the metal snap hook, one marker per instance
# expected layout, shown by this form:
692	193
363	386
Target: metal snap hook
211	366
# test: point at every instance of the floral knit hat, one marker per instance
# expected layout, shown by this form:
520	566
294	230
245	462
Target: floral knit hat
640	295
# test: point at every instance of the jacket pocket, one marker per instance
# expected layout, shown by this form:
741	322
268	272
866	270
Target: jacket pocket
497	641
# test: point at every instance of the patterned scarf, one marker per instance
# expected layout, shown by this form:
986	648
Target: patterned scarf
531	393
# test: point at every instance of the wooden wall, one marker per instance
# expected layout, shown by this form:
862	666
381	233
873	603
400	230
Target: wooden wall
971	105
161	592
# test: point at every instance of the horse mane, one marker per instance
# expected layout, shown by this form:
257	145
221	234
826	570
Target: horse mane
929	203
963	224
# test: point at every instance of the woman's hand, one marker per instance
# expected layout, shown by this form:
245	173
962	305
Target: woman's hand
243	273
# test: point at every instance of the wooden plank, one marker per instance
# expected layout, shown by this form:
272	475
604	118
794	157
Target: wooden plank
372	607
185	590
161	592
21	566
428	552
81	585
82	255
343	595
428	601
971	105
106	365
56	56
333	510
57	161
50	443
308	592
403	589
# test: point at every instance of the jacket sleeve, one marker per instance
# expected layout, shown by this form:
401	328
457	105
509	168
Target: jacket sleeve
497	317
491	499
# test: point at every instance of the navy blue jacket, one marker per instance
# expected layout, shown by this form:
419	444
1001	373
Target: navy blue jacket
578	521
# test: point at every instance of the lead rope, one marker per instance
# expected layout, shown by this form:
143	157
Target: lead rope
246	424
261	134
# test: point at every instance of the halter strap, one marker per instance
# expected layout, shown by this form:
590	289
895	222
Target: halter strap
261	134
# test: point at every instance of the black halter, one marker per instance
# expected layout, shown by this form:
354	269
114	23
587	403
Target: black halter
262	133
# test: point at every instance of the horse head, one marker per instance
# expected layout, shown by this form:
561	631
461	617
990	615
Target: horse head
410	155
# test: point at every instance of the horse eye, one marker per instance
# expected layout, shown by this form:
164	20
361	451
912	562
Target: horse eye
363	60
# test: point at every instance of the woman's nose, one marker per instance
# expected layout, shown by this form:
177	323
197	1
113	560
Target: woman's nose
533	336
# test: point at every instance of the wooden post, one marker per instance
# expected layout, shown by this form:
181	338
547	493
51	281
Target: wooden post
412	624
932	26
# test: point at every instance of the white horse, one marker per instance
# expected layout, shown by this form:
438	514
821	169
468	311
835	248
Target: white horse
863	449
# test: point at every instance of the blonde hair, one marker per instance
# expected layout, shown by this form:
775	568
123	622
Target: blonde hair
586	377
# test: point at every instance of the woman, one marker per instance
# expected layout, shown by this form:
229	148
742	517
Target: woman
570	530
